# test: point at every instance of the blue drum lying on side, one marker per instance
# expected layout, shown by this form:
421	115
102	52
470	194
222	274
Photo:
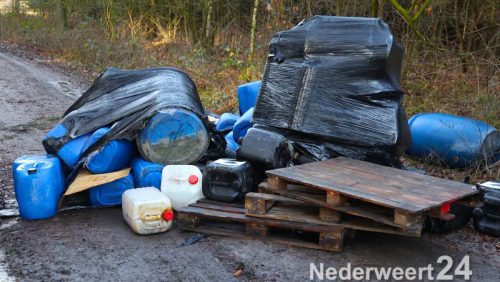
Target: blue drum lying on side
173	136
114	156
455	141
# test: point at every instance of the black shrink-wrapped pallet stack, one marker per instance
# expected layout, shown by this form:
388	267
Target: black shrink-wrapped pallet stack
332	87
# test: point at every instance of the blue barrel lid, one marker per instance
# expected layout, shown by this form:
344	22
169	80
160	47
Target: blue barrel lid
173	136
31	159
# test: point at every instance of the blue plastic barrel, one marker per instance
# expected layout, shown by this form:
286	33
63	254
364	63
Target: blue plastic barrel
96	135
247	95
457	142
146	174
231	145
113	156
39	185
71	152
243	124
57	132
226	122
110	194
173	136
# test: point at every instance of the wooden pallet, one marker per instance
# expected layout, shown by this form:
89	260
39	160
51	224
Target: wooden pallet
230	220
285	221
282	208
390	196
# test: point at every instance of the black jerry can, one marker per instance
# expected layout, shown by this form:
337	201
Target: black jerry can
227	180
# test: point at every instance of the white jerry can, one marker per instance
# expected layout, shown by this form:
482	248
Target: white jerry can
182	184
147	210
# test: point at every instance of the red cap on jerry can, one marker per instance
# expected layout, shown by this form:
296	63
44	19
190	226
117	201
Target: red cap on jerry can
193	179
167	215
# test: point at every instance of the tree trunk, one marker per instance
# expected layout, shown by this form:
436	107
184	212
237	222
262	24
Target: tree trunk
208	25
252	40
374	8
63	13
459	37
381	4
16	7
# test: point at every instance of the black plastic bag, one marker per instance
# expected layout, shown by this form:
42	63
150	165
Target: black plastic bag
124	100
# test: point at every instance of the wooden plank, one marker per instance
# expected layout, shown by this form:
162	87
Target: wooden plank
329	215
238	204
408	220
224	208
241	217
276	183
256	230
85	180
275	198
260	203
333	241
379	214
334	199
241	234
376	184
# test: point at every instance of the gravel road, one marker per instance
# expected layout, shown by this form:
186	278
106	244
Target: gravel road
96	244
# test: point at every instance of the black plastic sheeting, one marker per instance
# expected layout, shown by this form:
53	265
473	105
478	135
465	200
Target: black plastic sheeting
125	99
334	84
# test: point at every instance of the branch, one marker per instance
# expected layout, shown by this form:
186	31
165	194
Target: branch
421	10
402	11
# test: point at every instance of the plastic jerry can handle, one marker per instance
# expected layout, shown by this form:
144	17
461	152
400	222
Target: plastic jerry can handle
151	217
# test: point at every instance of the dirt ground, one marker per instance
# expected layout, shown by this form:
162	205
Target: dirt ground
96	244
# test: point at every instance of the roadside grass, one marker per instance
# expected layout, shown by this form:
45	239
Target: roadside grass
434	84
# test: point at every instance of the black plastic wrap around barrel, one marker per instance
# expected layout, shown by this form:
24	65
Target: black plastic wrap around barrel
125	100
336	80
